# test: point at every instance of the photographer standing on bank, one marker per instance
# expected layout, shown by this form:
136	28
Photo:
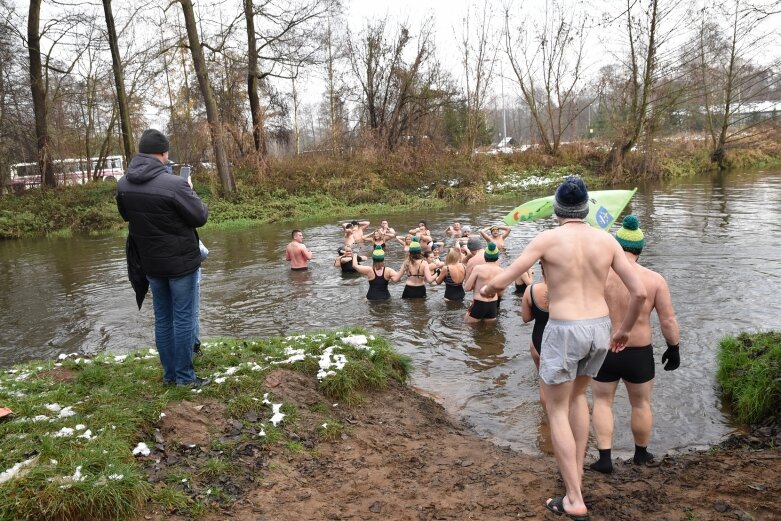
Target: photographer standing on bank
162	212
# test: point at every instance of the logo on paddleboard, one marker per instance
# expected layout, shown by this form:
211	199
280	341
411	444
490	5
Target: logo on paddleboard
603	217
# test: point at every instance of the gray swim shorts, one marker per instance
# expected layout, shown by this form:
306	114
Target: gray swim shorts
572	348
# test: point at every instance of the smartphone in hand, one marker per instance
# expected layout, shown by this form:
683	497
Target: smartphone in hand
184	172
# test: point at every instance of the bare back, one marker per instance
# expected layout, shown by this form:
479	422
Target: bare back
297	254
577	260
658	297
480	276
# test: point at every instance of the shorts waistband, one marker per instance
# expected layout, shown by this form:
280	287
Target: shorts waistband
649	346
581	322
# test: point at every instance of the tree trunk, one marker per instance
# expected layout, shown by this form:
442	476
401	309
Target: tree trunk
39	94
119	81
296	129
719	154
252	81
212	113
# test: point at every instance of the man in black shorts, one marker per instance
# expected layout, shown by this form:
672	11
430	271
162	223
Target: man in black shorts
483	309
635	364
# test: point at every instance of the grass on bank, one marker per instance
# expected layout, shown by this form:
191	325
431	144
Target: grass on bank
68	452
749	374
307	188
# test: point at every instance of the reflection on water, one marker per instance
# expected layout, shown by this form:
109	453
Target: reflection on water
712	238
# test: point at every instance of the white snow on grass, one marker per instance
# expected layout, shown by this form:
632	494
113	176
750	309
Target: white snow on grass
355	340
67	412
65	432
141	449
326	363
16	470
277	417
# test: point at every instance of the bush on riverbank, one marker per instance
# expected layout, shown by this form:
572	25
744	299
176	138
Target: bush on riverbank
750	375
314	187
73	450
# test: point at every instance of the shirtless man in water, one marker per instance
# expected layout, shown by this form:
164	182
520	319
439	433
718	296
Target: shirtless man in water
357	228
496	235
296	253
634	365
483	309
577	260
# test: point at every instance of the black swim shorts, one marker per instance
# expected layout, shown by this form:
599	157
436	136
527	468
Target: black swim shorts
634	365
480	309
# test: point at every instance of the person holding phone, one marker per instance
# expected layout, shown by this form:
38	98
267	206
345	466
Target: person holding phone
163	213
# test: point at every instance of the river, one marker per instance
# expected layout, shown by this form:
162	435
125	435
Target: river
714	238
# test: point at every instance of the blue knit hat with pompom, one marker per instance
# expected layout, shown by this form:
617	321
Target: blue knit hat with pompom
571	198
630	236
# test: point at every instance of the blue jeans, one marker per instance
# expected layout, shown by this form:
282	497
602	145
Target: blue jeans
197	310
174	301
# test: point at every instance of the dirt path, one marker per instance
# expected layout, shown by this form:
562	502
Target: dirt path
403	458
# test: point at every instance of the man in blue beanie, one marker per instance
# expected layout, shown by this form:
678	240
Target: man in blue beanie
635	364
577	259
163	212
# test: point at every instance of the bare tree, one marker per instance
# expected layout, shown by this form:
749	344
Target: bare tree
396	94
633	112
548	67
479	50
213	117
38	90
281	28
128	147
731	78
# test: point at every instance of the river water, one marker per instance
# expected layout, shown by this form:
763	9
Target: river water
715	239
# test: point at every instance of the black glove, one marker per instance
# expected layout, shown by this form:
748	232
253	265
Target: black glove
671	358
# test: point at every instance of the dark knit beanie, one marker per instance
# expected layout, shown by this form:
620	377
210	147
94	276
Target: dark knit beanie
491	252
153	142
571	198
630	236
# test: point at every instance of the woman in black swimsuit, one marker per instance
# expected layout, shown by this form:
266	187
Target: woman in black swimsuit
452	274
534	306
417	271
345	259
379	276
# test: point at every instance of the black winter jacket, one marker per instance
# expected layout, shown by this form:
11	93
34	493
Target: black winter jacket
163	212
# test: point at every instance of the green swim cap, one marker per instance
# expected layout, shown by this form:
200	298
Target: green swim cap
414	247
491	252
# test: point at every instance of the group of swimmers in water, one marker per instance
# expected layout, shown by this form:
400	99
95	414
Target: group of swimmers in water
469	262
